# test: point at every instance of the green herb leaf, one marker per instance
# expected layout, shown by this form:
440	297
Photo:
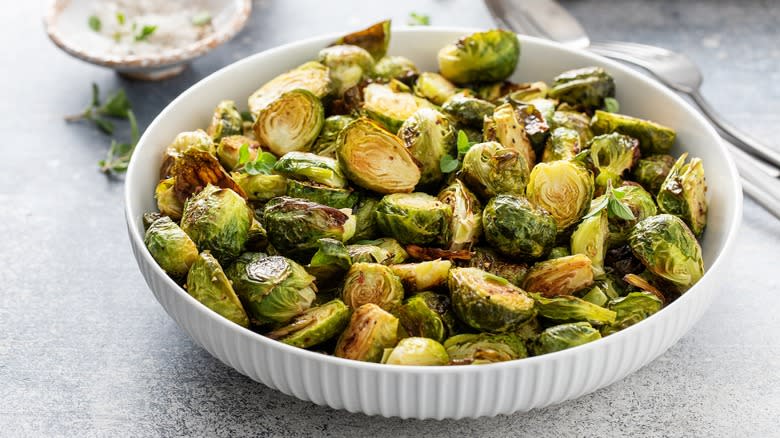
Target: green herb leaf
201	18
104	125
619	209
146	31
95	96
117	105
243	154
247	116
596	209
611	105
94	23
263	164
120	18
447	164
135	133
119	154
416	19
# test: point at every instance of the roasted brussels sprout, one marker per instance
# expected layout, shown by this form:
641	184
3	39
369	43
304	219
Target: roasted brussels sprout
651	171
561	276
487	302
226	121
562	188
422	276
590	238
683	193
516	228
653	138
207	283
563	144
396	67
261	188
330	262
194	169
314	326
149	218
305	166
613	155
561	337
491	169
295	225
183	142
641	205
371	283
572	309
484	348
428	315
217	220
360	253
273	289
466	224
508	128
390	107
322	194
583	88
311	76
480	57
396	251
631	309
528	92
291	122
365	218
468	110
373	39
347	65
668	249
428	135
375	159
416	351
434	87
369	332
167	201
229	150
416	218
572	120
170	247
325	146
489	261
534	124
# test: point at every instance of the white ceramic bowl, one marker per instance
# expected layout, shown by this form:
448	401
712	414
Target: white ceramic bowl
439	392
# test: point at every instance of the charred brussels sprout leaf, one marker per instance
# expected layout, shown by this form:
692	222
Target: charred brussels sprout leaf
369	332
428	136
518	229
507	126
167	201
653	138
291	122
572	309
468	110
631	309
428	315
561	337
314	326
484	348
371	283
325	145
422	276
321	194
489	261
229	150
466	224
651	171
561	276
491	169
613	155
396	67
305	166
217	220
487	302
373	39
480	57
434	87
562	188
415	218
584	88
261	187
375	159
347	65
226	121
590	238
416	351
668	249
311	76
195	169
207	283
390	106
171	247
683	193
563	144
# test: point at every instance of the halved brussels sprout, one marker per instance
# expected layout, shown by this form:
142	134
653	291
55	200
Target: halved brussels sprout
396	67
207	283
572	309
416	218
683	193
651	171
360	253
416	351
434	87
613	155
641	205
325	145
330	262
487	302
305	166
428	315
167	201
194	169
314	326
321	194
225	121
369	332
217	220
484	348
516	228
561	276
311	76
422	276
561	337
563	144
347	65
562	188
296	225
653	138
528	92
489	261
491	169
590	238
261	187
396	251
428	135
631	309
508	128
572	120
389	105
480	57
466	224
364	212
668	249
273	289
375	159
229	150
170	247
374	39
429	253
583	88
291	122
371	283
467	109
182	143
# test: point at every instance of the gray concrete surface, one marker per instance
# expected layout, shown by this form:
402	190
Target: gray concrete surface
86	351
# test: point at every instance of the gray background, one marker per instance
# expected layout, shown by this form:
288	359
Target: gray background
85	350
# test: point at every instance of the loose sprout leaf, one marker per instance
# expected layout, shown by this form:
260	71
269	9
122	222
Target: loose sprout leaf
117	105
447	164
94	23
263	164
611	105
416	19
202	18
145	33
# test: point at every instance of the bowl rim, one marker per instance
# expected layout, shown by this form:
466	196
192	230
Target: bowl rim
734	217
168	57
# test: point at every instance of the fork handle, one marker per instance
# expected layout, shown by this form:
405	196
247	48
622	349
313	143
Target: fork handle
737	137
764	189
